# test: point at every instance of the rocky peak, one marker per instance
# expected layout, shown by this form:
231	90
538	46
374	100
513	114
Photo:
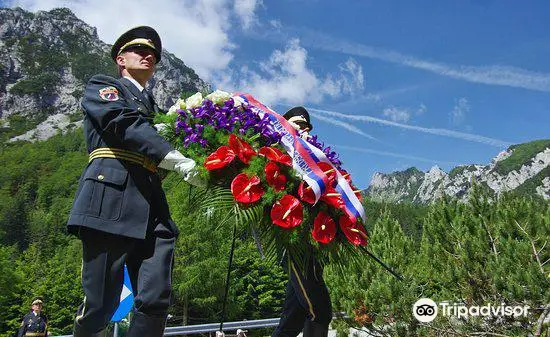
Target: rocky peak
435	174
501	156
396	186
47	57
524	168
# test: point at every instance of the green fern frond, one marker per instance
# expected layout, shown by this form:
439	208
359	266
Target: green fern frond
219	209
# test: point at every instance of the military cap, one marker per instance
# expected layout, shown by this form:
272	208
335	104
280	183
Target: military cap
298	115
37	300
142	36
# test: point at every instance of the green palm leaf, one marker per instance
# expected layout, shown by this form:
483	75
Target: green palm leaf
219	208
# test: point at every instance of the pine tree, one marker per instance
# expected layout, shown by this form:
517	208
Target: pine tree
378	300
10	281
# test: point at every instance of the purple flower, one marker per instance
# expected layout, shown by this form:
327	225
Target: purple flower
331	155
230	103
227	117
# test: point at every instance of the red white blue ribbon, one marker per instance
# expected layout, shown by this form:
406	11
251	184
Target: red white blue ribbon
305	157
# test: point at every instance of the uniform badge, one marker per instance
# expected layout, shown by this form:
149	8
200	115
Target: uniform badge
109	94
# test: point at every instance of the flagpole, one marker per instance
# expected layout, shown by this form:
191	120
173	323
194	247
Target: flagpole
115	332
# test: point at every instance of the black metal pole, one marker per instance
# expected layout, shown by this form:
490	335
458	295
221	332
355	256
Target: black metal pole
230	262
399	277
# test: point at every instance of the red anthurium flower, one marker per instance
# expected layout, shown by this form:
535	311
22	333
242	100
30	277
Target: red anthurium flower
275	154
324	228
274	176
357	192
244	151
306	193
329	171
219	158
246	190
355	232
346	175
287	212
333	198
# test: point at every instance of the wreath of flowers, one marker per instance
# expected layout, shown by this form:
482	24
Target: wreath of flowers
237	150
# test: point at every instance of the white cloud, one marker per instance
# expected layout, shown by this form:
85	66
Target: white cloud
286	78
393	154
397	114
354	82
196	31
435	131
276	24
374	97
421	109
340	123
501	75
245	9
379	97
461	108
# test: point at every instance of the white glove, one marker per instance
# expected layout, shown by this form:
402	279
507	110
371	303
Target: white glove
175	161
192	175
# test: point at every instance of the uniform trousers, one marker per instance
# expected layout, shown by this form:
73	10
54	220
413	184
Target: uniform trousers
149	263
307	304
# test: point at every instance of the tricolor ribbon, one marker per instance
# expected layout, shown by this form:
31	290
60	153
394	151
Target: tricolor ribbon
305	157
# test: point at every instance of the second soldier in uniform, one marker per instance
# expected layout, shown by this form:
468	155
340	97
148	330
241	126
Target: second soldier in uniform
307	305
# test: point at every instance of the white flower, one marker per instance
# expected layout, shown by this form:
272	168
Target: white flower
218	97
194	101
172	110
239	101
180	104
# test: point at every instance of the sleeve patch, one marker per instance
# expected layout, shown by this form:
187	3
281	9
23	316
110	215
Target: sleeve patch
109	94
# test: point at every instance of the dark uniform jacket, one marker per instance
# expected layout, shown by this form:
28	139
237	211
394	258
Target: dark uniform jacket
114	195
33	325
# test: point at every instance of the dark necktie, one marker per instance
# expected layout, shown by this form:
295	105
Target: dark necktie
149	98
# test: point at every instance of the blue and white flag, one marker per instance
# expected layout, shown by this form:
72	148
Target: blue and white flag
126	299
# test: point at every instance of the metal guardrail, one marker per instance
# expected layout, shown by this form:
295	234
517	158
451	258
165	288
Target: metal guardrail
213	327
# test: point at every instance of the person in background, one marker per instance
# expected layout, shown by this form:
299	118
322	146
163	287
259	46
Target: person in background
35	323
120	212
307	307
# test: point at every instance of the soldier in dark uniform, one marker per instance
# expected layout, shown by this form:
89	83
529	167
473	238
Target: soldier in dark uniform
35	323
120	211
307	304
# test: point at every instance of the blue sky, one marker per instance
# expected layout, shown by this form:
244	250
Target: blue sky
389	84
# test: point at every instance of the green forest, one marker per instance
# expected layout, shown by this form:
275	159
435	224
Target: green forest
487	250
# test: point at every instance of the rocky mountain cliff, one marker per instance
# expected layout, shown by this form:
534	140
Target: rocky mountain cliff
524	168
46	58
